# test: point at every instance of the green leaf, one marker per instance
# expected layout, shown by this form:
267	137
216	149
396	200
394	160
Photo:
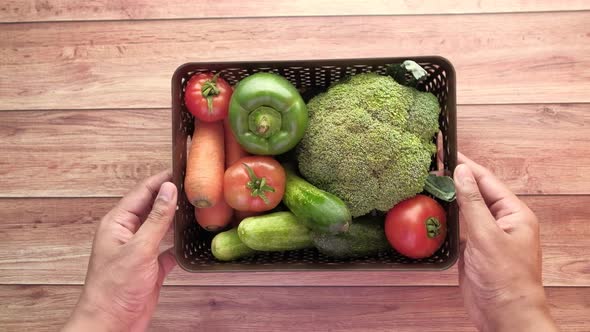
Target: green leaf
441	187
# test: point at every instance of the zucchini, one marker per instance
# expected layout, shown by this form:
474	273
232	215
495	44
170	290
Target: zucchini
275	232
227	246
317	209
366	236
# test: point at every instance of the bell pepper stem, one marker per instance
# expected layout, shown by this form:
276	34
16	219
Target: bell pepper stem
265	121
258	186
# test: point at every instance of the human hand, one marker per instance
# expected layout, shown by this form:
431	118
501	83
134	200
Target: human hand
126	269
500	265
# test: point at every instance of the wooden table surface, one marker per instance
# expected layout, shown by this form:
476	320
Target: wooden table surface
85	114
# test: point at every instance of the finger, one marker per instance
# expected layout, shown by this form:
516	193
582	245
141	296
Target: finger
137	203
462	232
160	218
496	194
139	200
475	213
167	262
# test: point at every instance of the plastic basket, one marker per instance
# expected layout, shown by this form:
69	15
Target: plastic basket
192	243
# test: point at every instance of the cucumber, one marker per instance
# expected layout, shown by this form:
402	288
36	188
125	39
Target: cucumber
227	246
275	232
317	209
366	236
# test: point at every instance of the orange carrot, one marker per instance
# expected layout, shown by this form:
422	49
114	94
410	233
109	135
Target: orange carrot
214	218
233	149
203	182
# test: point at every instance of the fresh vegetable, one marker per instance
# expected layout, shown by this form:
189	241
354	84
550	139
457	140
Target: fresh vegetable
267	114
416	227
233	149
441	187
317	209
227	246
365	236
207	97
233	153
275	232
369	142
203	182
216	217
254	183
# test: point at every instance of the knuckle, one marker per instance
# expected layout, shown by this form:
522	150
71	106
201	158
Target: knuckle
145	185
473	196
148	186
485	170
158	213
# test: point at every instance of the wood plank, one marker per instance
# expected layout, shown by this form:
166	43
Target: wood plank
528	58
534	148
81	153
47	241
46	308
66	10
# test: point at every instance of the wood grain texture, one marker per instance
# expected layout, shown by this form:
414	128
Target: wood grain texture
84	116
48	241
536	149
526	59
66	10
81	153
46	308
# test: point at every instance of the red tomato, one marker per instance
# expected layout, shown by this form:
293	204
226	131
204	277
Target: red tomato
207	97
416	227
254	183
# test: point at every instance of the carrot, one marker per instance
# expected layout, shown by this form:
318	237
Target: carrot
203	182
233	149
214	218
241	215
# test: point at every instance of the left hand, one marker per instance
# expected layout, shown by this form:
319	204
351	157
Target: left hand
126	269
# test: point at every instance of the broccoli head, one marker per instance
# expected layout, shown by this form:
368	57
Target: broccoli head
369	141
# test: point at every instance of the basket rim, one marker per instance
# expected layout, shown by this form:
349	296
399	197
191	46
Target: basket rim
420	58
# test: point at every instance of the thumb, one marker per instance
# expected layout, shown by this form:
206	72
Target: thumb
158	221
167	262
472	207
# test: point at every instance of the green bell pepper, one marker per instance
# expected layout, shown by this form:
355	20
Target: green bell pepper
267	114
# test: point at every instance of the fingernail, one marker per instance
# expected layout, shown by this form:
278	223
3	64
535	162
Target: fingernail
166	192
463	175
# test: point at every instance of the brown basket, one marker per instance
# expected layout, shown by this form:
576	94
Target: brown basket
192	243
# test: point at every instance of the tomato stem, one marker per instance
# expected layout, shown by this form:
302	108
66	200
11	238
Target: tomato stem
432	227
210	90
258	186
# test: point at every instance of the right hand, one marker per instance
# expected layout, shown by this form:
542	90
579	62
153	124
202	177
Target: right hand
500	265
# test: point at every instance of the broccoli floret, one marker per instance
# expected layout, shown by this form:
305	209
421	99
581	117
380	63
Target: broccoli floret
422	120
369	141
